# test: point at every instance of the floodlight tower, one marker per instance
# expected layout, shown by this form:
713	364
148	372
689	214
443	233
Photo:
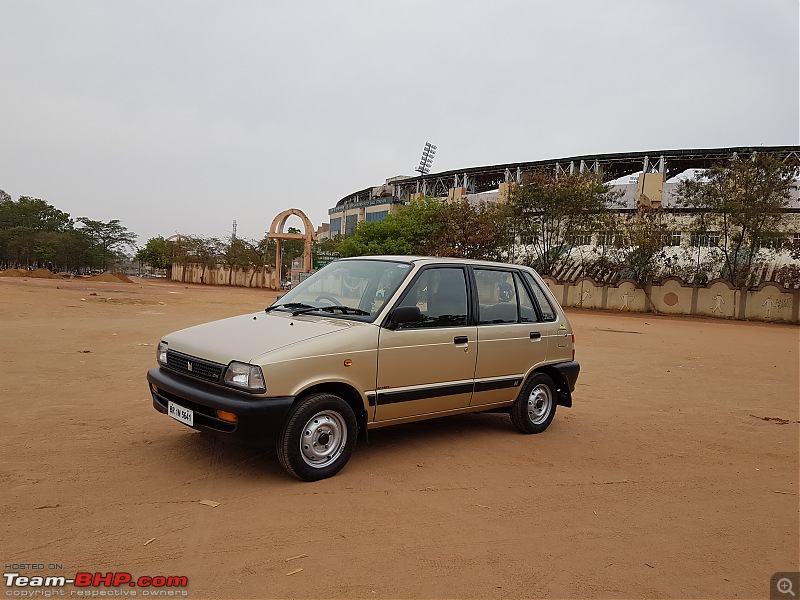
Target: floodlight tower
428	152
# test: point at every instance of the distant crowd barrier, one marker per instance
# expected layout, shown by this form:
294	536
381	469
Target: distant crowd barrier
673	296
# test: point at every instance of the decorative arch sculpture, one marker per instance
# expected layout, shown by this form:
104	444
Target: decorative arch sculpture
276	233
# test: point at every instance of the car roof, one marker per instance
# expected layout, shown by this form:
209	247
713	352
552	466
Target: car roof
435	260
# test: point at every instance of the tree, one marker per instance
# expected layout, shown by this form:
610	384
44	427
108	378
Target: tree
157	252
549	211
743	203
405	232
33	232
643	253
240	253
32	213
107	240
466	230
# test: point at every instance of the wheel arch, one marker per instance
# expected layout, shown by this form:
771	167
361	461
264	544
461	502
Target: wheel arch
346	392
563	393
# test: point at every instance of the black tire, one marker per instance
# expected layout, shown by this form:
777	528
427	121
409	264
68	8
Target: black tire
535	407
318	437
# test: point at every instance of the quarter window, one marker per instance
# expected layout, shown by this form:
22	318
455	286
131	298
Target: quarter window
548	314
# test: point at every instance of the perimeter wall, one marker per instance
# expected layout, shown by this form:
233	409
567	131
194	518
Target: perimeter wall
259	277
767	302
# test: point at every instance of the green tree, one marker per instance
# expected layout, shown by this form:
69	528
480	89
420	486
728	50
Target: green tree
240	253
206	251
33	232
466	230
744	202
643	252
157	252
405	232
549	211
32	213
107	240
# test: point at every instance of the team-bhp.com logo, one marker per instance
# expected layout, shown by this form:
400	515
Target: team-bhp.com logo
92	584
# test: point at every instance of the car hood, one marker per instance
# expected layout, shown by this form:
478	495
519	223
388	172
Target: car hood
247	337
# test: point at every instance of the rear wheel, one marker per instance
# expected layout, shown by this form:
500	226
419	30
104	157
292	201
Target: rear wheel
318	437
535	407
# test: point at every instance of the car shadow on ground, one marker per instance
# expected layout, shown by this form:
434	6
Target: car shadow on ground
444	430
201	452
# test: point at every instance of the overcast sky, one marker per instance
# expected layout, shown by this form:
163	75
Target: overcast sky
181	116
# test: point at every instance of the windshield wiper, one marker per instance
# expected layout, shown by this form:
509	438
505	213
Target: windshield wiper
292	306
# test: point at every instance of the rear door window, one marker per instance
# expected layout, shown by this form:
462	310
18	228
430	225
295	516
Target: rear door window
497	296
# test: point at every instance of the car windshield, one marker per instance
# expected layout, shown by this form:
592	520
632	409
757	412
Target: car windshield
350	289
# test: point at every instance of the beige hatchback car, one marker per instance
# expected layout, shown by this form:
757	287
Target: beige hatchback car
369	342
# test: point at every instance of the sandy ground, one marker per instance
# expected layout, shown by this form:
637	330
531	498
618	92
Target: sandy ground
670	477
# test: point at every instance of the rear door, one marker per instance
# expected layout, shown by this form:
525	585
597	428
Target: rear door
559	338
429	367
511	336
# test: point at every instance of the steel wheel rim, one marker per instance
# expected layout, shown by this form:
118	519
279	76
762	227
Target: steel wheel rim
323	439
540	402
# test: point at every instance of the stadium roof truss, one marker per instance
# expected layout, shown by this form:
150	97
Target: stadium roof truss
609	166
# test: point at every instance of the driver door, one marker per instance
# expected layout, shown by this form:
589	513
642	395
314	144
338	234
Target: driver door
428	367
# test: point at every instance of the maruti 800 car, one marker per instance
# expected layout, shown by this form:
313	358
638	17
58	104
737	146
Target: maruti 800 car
369	342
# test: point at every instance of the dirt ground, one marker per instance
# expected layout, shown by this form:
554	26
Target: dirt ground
675	474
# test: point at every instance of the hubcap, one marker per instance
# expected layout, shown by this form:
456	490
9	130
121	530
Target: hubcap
324	438
540	402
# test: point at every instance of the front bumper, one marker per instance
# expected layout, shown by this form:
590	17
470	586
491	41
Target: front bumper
259	419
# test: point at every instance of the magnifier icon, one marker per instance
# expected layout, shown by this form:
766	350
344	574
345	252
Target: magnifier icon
784	586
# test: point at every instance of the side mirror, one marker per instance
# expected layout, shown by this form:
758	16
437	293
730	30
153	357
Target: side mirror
406	314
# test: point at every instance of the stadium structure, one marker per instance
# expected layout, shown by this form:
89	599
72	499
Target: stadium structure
652	175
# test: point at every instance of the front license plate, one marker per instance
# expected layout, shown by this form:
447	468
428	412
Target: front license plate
179	413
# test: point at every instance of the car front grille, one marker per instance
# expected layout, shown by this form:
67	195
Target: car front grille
195	367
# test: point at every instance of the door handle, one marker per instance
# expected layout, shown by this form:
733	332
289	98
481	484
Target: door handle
461	339
535	335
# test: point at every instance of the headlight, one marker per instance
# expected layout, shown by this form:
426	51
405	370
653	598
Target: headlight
161	353
246	377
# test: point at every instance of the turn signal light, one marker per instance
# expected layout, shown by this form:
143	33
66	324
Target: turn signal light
224	415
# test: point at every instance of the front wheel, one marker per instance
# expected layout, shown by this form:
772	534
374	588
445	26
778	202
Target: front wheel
318	437
535	407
